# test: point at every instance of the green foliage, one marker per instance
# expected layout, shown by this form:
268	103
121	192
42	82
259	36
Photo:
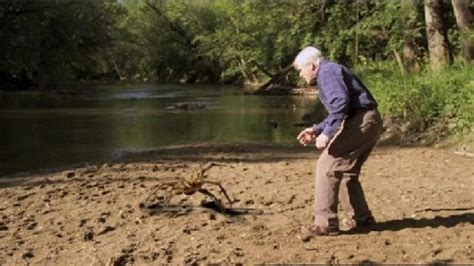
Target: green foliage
49	41
427	98
247	37
236	41
244	41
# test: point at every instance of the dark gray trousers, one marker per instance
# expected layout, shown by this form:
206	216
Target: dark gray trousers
338	168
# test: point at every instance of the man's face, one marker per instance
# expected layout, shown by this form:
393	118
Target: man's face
308	73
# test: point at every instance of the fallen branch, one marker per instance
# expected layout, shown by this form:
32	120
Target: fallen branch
464	154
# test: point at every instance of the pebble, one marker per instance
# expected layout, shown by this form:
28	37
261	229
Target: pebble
291	199
70	174
83	222
268	202
249	202
239	252
28	255
32	226
20	198
107	229
124	259
88	234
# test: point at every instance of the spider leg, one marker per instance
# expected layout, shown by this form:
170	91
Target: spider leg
221	188
207	166
167	197
146	202
214	198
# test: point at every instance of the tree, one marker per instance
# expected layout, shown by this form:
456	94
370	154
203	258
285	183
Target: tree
438	44
250	42
413	37
464	20
46	42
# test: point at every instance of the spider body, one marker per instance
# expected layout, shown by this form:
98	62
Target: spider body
189	186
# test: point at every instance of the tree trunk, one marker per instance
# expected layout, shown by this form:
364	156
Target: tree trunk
438	44
464	21
412	55
249	76
118	71
276	78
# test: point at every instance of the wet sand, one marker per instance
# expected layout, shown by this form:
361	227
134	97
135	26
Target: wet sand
421	197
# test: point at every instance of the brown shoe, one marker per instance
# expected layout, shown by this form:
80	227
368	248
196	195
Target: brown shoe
310	231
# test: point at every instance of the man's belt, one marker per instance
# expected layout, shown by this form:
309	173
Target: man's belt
351	113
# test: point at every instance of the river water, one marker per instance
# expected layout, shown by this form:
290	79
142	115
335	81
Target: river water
39	132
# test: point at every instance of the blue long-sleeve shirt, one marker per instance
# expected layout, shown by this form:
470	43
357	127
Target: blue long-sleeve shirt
341	92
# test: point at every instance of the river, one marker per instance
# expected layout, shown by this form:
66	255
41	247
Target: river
53	130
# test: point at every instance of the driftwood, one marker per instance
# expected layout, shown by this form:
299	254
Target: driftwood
464	154
275	78
190	105
311	10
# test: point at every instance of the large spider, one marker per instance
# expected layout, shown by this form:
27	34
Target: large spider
187	186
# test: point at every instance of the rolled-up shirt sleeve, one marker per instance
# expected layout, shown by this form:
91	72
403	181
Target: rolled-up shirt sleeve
318	128
331	82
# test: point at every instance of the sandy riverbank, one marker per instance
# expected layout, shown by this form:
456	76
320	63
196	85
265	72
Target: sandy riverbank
421	197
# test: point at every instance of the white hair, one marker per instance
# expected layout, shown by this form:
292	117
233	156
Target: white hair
309	55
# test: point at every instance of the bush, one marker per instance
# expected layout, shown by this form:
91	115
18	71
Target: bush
425	99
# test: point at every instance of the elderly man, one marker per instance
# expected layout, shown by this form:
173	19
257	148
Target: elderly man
347	136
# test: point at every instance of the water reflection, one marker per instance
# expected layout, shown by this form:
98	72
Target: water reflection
50	131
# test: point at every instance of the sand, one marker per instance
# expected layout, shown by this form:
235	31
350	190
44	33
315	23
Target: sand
422	198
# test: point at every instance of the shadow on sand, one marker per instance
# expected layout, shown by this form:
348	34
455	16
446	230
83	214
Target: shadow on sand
433	263
438	221
207	206
411	223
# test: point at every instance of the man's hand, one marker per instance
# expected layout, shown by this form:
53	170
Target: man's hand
306	136
322	141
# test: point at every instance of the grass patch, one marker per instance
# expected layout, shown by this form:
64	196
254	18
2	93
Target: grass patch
439	105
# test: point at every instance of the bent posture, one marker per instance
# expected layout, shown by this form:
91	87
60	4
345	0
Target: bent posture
347	135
